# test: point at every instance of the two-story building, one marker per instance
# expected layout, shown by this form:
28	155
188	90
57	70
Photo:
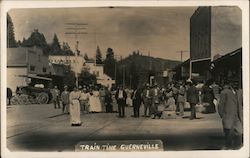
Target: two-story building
25	64
98	71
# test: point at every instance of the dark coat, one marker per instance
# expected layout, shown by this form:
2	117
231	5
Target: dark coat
9	93
108	98
137	97
151	94
229	109
121	100
240	104
192	95
208	95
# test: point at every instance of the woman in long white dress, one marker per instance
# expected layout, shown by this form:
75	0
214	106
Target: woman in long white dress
94	102
75	113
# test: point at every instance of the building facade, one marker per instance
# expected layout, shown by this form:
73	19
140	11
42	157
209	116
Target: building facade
212	32
228	68
76	63
24	63
98	71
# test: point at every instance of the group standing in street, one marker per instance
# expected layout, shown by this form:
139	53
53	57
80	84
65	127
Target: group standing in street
173	97
82	100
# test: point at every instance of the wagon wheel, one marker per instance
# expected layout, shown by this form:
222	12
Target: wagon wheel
32	100
23	99
14	100
42	98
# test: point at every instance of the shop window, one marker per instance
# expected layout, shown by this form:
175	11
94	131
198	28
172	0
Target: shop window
44	69
32	68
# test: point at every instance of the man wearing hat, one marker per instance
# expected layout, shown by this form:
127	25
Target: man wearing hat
230	110
121	97
181	98
147	100
155	100
192	98
55	92
65	100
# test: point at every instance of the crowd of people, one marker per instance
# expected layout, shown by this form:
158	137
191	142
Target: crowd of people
154	99
82	100
157	101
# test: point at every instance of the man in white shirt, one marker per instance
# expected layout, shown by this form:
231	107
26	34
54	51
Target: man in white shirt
147	100
84	99
155	101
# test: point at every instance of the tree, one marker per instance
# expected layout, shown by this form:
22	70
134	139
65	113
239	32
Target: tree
19	43
134	53
11	42
86	78
133	74
86	57
55	46
36	39
66	49
110	67
110	53
65	46
98	56
69	78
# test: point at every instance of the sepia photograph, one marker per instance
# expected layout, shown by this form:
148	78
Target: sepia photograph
122	78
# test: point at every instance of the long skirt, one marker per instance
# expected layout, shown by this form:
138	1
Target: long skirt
94	104
129	101
75	112
102	100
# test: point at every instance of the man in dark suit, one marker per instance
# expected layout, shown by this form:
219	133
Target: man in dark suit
230	110
137	99
121	97
192	98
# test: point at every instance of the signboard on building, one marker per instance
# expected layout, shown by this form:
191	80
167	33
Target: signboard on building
200	34
165	73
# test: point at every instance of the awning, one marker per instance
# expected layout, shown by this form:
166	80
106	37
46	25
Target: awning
36	77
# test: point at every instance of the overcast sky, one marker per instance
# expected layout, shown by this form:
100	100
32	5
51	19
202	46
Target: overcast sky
162	31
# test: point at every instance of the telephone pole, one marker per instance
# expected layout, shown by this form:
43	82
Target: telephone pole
76	29
181	52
